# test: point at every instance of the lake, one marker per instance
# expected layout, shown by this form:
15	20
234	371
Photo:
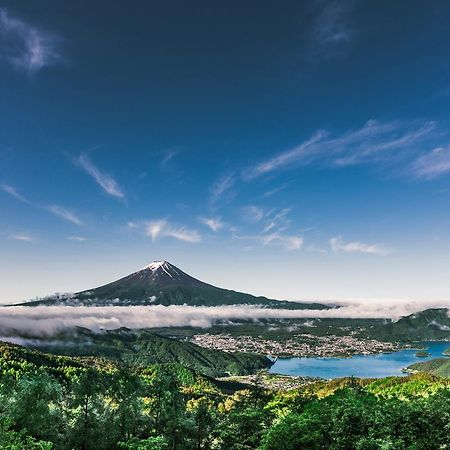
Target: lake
363	366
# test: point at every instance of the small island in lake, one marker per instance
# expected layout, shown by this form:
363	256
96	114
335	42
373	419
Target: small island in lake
423	354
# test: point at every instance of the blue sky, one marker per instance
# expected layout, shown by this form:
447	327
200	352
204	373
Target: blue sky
296	150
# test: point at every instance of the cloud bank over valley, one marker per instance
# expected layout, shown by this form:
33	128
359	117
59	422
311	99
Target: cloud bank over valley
49	320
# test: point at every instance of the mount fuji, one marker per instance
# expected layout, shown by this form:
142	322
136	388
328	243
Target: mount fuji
162	283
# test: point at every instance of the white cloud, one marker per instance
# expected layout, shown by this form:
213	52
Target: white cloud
65	214
221	187
49	320
274	231
331	32
106	182
339	245
77	238
214	223
252	213
289	242
303	151
162	228
374	142
169	154
433	164
23	237
25	46
11	190
57	210
277	219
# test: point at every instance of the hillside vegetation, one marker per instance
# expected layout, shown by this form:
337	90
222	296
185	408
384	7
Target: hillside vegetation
142	348
437	366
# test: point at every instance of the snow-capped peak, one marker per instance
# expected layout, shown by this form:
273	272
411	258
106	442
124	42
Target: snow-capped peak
163	271
155	265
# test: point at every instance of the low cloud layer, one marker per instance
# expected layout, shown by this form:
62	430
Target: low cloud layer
49	320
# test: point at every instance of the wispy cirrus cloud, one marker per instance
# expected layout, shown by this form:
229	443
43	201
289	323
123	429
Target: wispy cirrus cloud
105	181
288	242
337	244
221	187
375	142
213	223
277	219
273	227
77	238
25	46
168	156
14	192
65	214
331	32
303	152
57	210
433	164
22	237
162	228
252	213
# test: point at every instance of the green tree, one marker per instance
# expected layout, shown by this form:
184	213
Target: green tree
168	409
152	443
34	406
126	391
92	424
19	440
203	415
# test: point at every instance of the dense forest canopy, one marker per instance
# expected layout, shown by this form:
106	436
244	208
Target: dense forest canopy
55	402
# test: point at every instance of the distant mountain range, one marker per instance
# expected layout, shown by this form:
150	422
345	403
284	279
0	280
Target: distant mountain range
161	283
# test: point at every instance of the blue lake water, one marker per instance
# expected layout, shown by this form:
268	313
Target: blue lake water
363	366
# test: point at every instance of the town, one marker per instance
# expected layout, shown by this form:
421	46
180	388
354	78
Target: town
298	345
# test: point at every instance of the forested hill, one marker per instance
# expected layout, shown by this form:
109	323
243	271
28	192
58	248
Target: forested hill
437	366
142	348
430	324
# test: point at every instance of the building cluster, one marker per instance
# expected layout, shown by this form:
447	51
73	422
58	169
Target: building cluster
273	381
298	345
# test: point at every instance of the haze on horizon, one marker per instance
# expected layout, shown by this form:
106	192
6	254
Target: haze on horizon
295	152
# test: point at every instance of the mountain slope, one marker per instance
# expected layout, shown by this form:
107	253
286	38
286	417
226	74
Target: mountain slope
430	324
161	283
